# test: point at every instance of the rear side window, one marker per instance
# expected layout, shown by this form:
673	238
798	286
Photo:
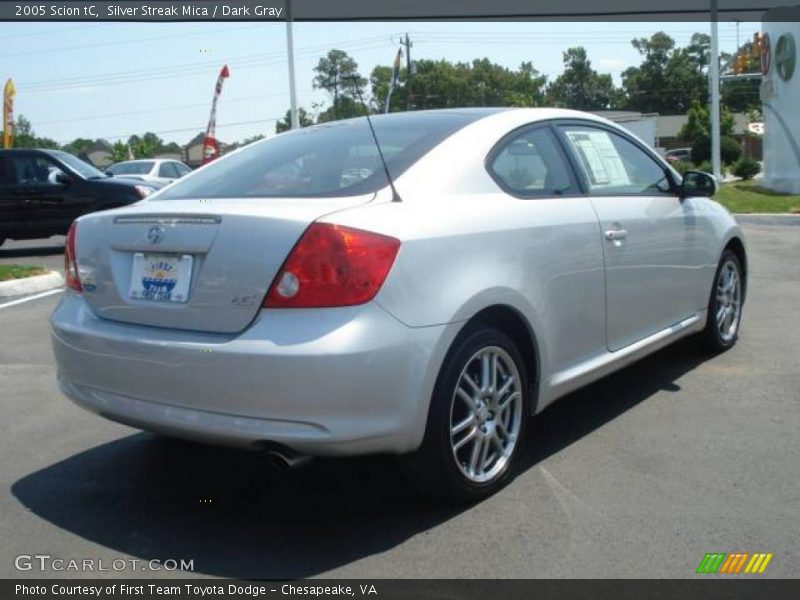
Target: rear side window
132	168
167	170
614	165
332	159
532	164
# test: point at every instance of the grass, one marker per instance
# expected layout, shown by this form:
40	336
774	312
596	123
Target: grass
8	272
747	197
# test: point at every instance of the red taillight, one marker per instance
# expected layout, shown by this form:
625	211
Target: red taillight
333	265
70	260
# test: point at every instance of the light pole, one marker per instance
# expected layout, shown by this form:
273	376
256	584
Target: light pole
713	81
290	52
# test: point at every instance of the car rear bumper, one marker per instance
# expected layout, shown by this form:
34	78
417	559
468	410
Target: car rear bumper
338	381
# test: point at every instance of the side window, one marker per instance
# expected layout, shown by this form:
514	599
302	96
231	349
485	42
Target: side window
532	164
182	169
167	169
34	170
614	165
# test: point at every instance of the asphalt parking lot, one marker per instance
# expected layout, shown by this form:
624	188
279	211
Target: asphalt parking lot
638	475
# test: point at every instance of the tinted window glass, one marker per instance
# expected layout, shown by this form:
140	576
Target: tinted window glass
34	170
132	168
332	159
531	164
80	167
615	166
167	170
182	169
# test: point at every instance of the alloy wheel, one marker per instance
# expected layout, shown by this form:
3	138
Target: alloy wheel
729	301
485	414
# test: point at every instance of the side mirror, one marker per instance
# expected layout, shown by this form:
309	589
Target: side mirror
697	183
109	174
62	178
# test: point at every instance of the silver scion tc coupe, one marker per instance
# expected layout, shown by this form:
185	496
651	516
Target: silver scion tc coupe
301	297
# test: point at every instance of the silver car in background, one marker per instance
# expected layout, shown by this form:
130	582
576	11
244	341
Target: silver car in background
292	299
162	171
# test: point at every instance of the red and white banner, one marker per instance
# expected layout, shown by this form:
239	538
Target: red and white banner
210	145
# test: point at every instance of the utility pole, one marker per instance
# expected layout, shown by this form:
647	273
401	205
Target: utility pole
738	22
407	44
290	52
713	81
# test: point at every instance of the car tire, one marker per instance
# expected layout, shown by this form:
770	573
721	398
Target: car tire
725	305
476	421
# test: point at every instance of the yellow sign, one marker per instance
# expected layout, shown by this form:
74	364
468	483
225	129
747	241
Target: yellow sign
8	114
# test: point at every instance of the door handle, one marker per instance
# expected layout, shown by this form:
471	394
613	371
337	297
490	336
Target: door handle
613	235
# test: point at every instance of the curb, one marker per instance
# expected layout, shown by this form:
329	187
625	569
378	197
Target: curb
767	218
31	285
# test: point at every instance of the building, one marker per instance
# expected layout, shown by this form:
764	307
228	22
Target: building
669	126
661	131
780	91
98	154
642	125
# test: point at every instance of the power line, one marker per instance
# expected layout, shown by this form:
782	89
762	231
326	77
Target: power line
165	109
188	69
46	32
185	129
125	42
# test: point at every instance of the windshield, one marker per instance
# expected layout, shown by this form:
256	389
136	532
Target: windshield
80	167
131	168
332	159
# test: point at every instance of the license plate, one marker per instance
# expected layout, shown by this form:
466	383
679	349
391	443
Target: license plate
161	277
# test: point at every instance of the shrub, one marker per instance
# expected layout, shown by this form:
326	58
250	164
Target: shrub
746	168
681	166
730	150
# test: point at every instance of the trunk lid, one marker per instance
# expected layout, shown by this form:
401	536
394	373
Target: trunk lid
232	248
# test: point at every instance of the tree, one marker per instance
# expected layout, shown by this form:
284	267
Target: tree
146	146
285	124
743	95
347	109
698	124
669	79
526	87
379	81
337	74
442	84
119	151
25	137
579	86
78	146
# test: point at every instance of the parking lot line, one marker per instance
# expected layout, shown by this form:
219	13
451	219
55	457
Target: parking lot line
29	298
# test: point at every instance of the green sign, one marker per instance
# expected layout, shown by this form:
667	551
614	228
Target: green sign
785	56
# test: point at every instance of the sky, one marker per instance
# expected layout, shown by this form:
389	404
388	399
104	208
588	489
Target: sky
112	80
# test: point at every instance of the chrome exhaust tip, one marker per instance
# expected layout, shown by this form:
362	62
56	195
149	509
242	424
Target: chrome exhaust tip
287	460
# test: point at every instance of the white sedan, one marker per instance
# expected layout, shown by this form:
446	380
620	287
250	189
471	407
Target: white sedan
157	170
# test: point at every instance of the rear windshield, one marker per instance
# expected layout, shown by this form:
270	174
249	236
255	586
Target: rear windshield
332	159
131	168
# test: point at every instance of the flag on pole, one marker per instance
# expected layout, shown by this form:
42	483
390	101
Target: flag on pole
395	75
210	145
8	114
